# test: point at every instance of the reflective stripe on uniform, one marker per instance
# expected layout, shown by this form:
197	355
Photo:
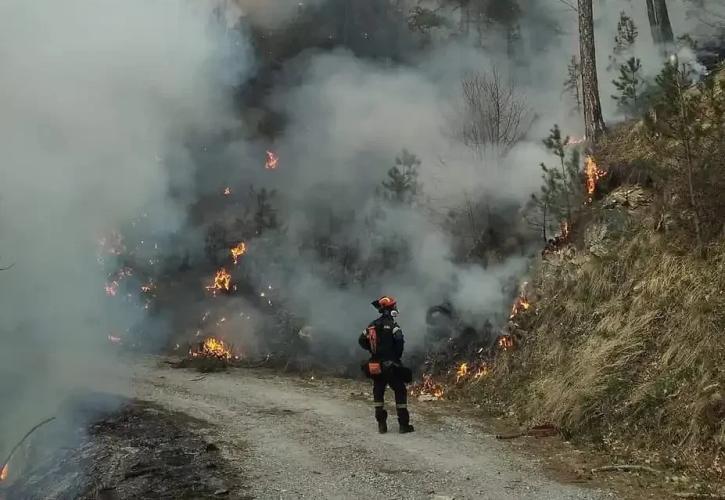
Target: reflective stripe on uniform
378	404
401	406
396	329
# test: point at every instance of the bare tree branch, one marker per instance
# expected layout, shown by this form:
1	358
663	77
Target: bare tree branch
494	115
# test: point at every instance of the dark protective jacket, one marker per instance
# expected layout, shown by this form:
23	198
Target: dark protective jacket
387	341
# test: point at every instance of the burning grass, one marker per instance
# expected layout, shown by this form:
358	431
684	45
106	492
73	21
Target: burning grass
211	355
629	350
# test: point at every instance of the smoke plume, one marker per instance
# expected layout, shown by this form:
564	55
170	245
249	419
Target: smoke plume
98	99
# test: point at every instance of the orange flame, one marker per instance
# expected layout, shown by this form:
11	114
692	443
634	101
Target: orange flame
522	302
111	286
482	371
114	340
272	160
238	251
427	387
593	174
227	191
461	372
4	473
212	348
222	281
506	342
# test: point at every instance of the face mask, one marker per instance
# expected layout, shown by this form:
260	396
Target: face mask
394	313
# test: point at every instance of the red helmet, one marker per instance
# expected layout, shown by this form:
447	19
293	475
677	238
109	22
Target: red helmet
385	302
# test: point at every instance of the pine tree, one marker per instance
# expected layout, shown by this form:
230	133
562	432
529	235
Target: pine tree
627	33
675	119
593	119
561	187
555	144
572	84
538	212
402	185
630	86
624	40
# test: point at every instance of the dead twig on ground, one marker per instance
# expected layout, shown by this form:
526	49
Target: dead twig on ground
626	468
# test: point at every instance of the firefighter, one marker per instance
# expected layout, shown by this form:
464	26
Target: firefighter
384	339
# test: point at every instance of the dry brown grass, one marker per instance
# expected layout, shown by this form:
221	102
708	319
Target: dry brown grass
628	349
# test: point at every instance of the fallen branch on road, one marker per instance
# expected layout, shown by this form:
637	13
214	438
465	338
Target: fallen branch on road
626	468
537	431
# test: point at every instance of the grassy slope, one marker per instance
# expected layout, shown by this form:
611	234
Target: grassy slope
626	349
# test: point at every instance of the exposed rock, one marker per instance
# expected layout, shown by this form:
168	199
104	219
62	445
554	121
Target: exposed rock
629	197
619	209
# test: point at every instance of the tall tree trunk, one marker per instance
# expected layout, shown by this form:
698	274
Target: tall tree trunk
659	22
593	120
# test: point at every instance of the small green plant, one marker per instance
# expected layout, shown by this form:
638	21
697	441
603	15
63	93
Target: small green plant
630	85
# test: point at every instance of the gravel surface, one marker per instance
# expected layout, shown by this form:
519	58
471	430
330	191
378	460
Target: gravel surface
295	438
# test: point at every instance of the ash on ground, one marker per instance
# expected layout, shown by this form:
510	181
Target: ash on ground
141	451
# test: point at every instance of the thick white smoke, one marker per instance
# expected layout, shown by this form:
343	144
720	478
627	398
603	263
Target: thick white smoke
98	98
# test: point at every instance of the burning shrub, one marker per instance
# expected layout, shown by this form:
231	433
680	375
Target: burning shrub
427	389
210	355
212	348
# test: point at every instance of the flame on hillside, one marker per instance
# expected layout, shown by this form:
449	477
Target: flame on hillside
505	342
521	303
593	175
271	161
482	371
427	388
238	251
227	191
114	283
4	473
475	371
222	281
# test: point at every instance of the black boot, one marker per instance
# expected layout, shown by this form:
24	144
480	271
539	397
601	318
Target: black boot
381	416
404	420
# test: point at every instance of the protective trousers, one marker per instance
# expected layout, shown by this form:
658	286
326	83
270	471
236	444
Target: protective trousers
380	382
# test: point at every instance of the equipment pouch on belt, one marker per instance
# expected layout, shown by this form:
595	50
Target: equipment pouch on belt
374	368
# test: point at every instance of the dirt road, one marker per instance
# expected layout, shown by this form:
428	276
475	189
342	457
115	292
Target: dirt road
297	438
